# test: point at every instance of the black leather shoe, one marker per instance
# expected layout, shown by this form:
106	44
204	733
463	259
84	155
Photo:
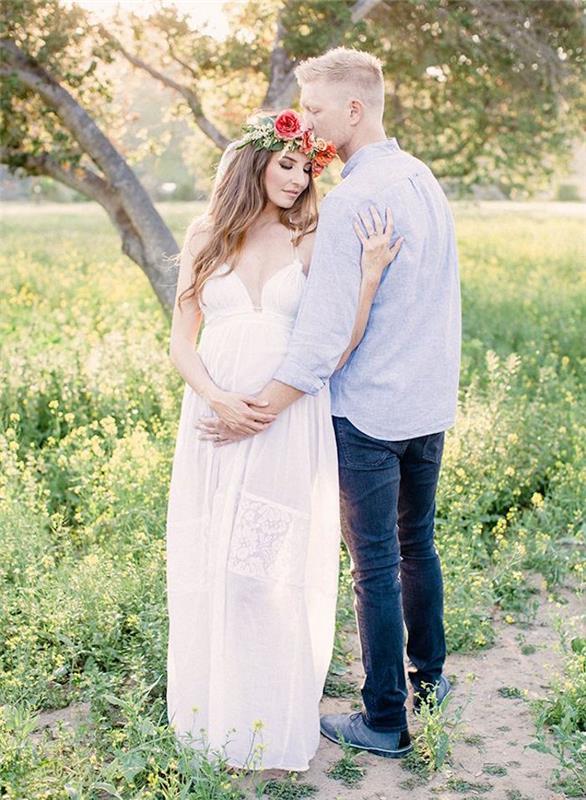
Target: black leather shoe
356	733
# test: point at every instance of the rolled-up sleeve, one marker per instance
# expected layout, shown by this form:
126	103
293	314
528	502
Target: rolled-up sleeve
329	305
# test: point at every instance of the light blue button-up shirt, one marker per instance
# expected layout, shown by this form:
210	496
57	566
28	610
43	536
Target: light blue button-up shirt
402	379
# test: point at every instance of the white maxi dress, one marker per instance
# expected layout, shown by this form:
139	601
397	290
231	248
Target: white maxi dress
253	534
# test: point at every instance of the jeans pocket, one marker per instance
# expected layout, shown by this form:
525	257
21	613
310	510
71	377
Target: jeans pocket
433	447
356	449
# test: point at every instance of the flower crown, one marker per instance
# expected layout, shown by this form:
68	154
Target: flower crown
285	131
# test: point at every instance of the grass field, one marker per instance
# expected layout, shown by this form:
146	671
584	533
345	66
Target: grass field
89	404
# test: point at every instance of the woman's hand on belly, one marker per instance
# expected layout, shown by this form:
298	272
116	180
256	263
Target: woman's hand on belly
211	429
240	412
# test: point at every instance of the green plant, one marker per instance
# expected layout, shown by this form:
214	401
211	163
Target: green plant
88	410
287	789
563	714
346	769
494	769
511	692
436	731
462	785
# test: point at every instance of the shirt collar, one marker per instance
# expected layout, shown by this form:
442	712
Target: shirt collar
369	152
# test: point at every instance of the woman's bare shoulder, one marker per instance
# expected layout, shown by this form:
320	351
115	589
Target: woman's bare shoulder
197	233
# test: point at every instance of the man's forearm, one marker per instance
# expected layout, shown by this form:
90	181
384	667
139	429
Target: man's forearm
279	396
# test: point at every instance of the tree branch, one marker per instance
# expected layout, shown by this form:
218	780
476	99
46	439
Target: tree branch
507	21
87	183
362	8
81	179
184	64
146	238
188	94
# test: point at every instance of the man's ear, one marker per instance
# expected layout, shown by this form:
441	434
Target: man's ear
356	111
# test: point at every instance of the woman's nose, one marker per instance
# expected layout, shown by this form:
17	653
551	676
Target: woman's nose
297	180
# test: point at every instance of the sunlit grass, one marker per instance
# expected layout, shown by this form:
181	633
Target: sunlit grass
89	404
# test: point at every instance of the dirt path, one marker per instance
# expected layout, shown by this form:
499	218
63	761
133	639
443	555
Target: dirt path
491	759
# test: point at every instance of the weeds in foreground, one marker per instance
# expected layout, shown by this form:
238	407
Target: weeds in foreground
433	740
287	789
346	769
140	755
89	404
474	740
494	769
462	785
511	692
336	686
412	782
563	715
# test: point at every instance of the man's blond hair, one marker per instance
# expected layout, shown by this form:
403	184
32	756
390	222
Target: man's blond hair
361	73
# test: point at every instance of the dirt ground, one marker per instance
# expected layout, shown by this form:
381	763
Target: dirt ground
495	730
490	756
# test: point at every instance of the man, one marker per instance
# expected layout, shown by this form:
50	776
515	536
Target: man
393	399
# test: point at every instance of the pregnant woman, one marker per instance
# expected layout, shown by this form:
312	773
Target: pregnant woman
253	528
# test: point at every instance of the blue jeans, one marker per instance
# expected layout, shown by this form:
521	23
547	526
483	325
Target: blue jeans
388	505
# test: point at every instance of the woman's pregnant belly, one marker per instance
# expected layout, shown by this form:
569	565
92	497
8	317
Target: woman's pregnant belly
242	353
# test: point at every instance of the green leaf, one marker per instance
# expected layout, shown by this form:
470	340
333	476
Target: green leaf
131	764
578	645
113	700
109	789
540	747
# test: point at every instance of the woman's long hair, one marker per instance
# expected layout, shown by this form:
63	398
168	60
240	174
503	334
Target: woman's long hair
236	203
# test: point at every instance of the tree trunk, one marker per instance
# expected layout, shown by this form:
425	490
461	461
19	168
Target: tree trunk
282	89
146	239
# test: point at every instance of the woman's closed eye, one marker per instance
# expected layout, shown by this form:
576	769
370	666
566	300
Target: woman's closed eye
306	169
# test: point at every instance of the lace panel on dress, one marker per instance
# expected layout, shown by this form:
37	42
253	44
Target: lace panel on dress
269	541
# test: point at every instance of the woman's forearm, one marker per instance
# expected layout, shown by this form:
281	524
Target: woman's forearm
188	363
368	288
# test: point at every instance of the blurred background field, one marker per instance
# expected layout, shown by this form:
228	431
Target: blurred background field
89	404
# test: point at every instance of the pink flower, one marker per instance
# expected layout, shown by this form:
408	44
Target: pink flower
288	124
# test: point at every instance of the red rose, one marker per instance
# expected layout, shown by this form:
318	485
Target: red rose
288	124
